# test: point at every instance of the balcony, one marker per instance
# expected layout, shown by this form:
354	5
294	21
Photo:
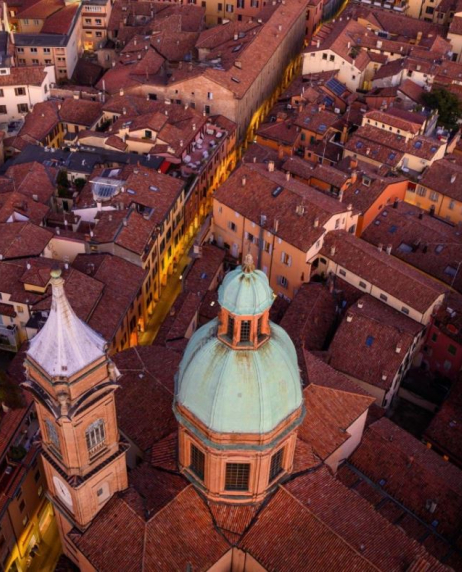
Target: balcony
9	338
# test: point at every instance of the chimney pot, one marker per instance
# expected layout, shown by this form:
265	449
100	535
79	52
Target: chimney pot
389	247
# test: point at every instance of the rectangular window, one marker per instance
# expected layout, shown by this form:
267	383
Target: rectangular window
421	191
405	310
286	259
452	349
342	272
197	465
46	50
230	328
282	281
276	464
383	297
362	284
20	91
433	196
232	226
452	204
22	108
207	109
259	325
1	93
3	110
237	476
245	331
33	50
219	7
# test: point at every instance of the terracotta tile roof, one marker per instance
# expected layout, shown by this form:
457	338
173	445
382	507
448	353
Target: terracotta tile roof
425	242
147	386
438	177
365	345
101	542
389	148
122	282
182	314
233	518
19	239
411	90
156	487
34	180
282	132
24	75
382	270
60	22
40	10
304	457
354	520
417	475
323	375
330	412
375	117
445	429
260	184
202	272
80	111
12	204
313	118
291	551
39	122
310	316
456	26
164	453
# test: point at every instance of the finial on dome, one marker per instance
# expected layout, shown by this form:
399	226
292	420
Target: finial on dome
248	265
56	273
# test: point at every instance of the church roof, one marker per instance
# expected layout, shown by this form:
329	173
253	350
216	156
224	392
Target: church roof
239	391
245	291
65	344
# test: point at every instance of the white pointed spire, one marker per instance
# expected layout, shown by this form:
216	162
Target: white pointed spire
65	344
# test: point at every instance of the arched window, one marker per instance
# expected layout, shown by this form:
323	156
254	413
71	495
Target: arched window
52	435
95	436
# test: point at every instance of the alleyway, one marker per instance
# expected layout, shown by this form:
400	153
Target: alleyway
49	550
167	298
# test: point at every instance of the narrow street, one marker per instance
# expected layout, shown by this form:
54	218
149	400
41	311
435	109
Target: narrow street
49	550
167	298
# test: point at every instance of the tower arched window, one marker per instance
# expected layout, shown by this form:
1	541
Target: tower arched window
276	464
52	435
95	436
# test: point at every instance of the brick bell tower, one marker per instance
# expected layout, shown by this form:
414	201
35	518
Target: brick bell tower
73	381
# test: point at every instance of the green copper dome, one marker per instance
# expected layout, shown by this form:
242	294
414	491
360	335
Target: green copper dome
245	291
232	391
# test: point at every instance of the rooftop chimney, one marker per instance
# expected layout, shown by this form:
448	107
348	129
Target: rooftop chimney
287	176
453	178
276	225
398	347
271	166
380	247
389	246
349	318
340	195
244	180
332	250
316	222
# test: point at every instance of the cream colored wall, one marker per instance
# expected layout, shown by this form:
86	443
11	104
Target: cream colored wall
374	291
456	42
64	249
315	64
355	430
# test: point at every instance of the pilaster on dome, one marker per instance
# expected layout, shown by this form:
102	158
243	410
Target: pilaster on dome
246	291
65	345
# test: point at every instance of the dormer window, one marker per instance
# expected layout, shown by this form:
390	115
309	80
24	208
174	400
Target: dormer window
245	331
